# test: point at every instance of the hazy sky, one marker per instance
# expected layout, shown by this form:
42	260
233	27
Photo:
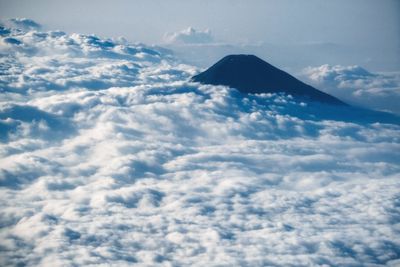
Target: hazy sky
374	24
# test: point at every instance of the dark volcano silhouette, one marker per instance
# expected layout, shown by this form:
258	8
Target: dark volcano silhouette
250	74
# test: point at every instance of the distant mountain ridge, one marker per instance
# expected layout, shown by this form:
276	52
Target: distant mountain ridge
250	74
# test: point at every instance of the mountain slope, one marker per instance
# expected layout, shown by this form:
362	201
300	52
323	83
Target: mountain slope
250	74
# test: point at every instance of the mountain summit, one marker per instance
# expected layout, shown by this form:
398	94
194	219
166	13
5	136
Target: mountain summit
250	74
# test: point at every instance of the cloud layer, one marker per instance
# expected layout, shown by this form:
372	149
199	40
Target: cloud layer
358	86
110	156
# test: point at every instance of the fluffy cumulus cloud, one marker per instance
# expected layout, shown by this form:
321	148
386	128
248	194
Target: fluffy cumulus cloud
189	36
109	155
21	24
358	86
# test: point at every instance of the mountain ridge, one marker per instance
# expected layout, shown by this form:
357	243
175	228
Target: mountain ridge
251	74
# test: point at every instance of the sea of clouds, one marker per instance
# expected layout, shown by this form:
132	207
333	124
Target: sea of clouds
111	156
356	85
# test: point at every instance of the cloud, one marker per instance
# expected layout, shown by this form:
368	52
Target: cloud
43	61
358	86
23	24
189	36
151	169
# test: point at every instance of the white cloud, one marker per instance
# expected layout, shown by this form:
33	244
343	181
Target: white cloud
164	171
22	24
358	86
189	36
43	61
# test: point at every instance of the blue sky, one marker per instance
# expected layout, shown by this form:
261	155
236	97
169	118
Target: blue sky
368	26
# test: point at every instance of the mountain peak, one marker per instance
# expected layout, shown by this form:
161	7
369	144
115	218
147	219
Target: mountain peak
251	74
